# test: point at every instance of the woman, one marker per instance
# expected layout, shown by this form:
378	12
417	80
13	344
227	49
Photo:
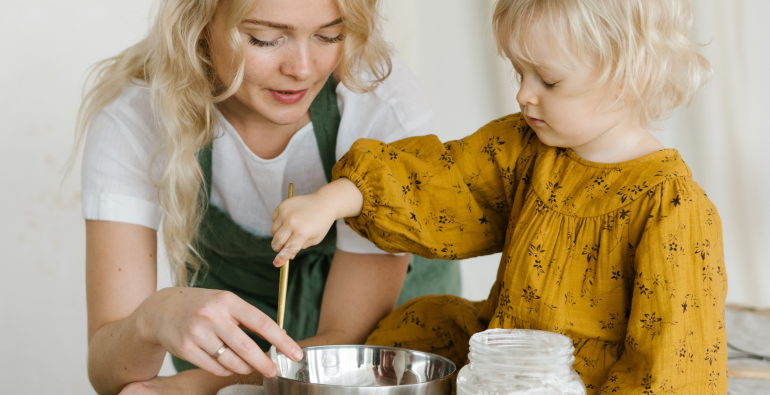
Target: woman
205	123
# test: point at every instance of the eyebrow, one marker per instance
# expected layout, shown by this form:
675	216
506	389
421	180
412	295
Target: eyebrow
332	23
284	26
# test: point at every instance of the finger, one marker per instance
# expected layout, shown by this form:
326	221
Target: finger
289	250
282	235
258	322
244	348
277	211
233	362
213	342
275	226
202	359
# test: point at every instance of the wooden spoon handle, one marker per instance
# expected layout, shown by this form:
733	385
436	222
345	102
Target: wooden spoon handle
283	283
748	373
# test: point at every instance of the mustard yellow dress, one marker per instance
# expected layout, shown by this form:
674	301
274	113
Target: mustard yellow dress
624	258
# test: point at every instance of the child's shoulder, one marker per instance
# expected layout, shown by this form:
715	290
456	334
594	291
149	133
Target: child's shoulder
575	186
502	141
510	134
678	195
511	125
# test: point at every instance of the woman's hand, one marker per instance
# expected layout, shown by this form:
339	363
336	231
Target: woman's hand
172	385
189	382
304	221
194	323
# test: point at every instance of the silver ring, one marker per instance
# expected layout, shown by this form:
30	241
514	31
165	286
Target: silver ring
219	352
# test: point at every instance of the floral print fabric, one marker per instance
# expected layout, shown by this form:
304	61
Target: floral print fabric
624	258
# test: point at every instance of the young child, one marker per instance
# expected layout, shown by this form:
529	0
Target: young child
605	236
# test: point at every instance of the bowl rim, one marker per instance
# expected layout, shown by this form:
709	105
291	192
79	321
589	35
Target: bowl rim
337	346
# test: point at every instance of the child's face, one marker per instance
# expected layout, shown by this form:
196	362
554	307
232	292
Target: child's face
561	102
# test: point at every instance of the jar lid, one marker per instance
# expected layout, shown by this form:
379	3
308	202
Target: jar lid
525	343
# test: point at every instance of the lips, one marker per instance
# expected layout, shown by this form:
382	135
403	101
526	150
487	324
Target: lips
534	121
288	97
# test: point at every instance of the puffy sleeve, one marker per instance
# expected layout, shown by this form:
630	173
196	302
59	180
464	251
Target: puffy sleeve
447	201
675	340
398	108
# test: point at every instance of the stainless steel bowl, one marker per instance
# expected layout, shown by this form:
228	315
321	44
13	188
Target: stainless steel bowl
346	370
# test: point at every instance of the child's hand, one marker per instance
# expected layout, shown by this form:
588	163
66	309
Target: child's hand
304	221
298	223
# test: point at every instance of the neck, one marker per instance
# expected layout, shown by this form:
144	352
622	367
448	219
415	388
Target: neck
264	138
622	142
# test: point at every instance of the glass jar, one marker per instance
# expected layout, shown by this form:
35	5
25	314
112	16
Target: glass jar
519	362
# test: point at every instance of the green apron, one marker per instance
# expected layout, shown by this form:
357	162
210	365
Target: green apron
242	263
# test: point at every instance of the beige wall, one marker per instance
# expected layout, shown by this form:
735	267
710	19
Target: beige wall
46	47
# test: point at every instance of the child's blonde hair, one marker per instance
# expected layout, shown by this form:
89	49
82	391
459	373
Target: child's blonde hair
175	63
639	46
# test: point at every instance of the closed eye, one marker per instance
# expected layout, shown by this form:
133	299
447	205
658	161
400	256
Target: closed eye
331	40
547	85
260	43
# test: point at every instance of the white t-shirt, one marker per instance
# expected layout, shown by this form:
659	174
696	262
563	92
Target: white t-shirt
118	184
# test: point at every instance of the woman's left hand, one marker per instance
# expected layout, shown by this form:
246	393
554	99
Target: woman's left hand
191	382
156	386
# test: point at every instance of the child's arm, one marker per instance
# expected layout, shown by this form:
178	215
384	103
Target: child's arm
675	340
303	221
416	195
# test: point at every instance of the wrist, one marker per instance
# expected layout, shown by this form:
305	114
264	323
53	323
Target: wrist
198	381
344	198
141	321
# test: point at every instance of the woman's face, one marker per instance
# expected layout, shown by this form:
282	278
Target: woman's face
290	48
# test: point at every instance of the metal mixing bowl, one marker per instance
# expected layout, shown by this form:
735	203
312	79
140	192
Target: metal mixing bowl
364	370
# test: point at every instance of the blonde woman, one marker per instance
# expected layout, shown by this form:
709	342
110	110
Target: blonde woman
204	123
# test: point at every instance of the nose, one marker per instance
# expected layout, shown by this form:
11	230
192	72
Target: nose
527	95
298	63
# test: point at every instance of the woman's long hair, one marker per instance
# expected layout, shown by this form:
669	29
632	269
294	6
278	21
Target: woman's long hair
174	63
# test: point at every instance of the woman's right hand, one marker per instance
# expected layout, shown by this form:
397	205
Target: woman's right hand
194	323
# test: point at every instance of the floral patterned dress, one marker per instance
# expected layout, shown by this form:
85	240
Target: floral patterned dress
624	258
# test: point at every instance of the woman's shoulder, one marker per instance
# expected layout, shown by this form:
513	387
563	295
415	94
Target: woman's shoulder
124	130
401	86
135	93
128	118
398	107
132	106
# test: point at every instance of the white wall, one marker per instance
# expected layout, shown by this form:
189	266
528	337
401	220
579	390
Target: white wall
47	46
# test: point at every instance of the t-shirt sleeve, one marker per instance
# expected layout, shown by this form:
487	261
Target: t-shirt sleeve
396	109
117	182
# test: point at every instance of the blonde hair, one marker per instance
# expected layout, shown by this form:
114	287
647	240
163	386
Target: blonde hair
175	64
639	46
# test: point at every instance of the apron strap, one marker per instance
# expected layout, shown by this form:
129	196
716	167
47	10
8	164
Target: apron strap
204	160
325	115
